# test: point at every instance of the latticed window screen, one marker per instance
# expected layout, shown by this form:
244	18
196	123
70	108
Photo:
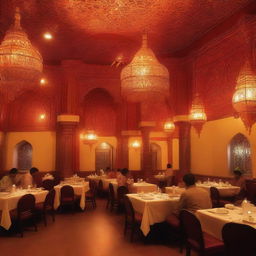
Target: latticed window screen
240	154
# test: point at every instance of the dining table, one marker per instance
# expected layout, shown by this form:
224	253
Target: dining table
213	220
9	201
80	189
154	207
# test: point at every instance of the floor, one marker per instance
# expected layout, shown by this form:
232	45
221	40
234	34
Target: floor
90	233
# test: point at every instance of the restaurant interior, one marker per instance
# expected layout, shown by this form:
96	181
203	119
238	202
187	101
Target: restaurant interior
127	127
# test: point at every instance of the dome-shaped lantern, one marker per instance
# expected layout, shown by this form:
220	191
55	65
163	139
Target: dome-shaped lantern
197	115
244	98
20	63
144	78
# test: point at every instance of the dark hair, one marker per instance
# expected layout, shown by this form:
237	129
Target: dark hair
107	169
238	172
33	170
124	171
13	171
169	165
189	179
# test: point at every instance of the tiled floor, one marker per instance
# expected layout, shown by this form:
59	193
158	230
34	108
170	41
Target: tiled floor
89	233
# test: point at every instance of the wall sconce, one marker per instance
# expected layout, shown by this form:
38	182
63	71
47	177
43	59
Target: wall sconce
89	138
169	127
42	116
136	144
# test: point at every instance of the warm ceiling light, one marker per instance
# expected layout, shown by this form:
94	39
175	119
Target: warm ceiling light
42	116
169	126
47	36
244	98
197	114
43	81
135	144
144	78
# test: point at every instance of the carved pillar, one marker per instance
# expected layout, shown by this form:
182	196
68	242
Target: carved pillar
124	151
184	144
67	145
169	148
2	150
146	161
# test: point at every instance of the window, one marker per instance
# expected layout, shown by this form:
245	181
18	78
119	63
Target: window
240	154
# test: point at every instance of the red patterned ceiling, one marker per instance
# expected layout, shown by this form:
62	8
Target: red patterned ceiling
98	30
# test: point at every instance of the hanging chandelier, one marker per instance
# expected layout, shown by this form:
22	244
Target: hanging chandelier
169	126
244	98
20	63
197	115
144	78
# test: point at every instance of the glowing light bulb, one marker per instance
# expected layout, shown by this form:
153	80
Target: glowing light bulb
43	81
42	116
47	36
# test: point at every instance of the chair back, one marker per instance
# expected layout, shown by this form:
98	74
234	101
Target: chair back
239	239
49	199
129	211
111	192
121	192
67	192
93	186
192	230
215	197
26	206
48	184
100	185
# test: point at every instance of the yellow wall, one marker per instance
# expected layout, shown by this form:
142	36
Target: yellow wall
43	144
209	153
175	154
87	153
134	155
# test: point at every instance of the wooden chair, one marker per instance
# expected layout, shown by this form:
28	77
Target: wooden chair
121	192
47	206
203	243
215	197
132	219
48	184
239	239
25	211
67	197
112	201
90	196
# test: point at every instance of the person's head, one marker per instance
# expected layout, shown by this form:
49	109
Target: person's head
13	172
124	171
108	169
237	173
189	179
33	170
169	165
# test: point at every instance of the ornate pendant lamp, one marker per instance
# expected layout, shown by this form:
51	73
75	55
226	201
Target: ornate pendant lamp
20	63
197	115
144	78
169	126
244	98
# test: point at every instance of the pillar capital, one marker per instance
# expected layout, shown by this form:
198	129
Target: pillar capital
181	118
66	118
149	124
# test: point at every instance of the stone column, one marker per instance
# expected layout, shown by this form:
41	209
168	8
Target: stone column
146	161
184	143
169	148
67	145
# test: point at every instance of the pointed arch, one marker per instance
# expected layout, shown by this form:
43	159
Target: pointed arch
239	154
23	155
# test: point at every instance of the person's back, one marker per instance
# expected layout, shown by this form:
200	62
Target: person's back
122	178
194	198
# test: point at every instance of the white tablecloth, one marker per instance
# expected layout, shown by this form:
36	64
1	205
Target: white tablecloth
79	189
8	202
223	190
212	222
154	210
106	182
174	190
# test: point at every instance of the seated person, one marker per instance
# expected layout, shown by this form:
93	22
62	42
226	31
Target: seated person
122	177
192	199
238	179
8	180
31	178
169	175
110	173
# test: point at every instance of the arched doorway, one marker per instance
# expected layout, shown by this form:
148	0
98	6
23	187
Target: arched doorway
23	155
155	156
103	156
239	153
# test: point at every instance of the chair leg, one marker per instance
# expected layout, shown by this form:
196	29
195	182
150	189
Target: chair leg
45	220
53	215
125	227
188	250
132	233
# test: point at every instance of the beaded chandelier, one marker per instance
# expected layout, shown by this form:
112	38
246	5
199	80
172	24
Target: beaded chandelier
197	115
144	78
244	98
20	63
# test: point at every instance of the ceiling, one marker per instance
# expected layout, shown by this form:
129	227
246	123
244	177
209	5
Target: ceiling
96	31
